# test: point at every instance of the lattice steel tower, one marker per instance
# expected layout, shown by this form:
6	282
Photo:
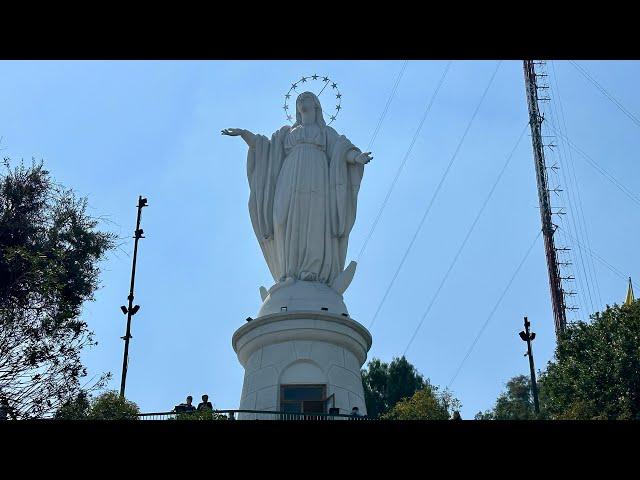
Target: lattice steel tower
548	228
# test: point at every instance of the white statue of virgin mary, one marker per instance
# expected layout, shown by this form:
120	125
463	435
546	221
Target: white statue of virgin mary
304	184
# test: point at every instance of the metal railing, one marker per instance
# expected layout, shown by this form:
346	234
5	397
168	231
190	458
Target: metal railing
249	415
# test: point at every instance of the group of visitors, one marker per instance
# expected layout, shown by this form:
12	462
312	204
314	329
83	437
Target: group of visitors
206	405
188	406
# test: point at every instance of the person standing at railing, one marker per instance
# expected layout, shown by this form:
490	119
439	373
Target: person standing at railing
186	407
205	404
355	412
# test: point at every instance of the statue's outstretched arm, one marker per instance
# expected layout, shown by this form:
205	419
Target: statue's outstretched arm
247	136
354	156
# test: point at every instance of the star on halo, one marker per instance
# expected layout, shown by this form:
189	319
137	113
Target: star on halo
304	79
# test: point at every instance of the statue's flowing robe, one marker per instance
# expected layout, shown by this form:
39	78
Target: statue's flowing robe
302	203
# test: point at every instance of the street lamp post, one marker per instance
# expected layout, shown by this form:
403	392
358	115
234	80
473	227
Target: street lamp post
131	310
528	337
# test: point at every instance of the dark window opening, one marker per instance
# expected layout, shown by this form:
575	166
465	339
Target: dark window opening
303	398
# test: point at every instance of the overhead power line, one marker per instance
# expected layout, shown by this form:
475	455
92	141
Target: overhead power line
386	107
493	311
435	194
466	238
589	251
604	91
562	155
581	225
632	196
404	160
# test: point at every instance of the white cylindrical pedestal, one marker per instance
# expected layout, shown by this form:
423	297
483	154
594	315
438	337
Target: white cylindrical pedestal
302	348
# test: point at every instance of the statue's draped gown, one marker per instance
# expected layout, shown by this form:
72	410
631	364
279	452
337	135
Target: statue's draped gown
303	201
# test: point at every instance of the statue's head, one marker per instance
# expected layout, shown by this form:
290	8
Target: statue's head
307	102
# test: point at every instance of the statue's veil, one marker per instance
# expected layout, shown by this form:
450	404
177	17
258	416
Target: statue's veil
319	117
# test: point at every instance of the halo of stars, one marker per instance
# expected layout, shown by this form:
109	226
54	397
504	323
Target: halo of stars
327	84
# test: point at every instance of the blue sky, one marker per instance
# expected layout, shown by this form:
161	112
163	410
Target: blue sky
115	129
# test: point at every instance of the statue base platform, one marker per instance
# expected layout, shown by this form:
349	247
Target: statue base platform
298	295
301	348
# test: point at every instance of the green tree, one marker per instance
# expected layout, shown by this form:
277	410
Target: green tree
76	408
516	403
106	406
205	414
595	373
110	406
426	404
386	384
49	254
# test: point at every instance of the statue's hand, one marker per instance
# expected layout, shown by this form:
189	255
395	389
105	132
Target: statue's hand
363	158
232	132
247	136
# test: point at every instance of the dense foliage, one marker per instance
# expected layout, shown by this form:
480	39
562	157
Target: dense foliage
428	403
204	414
76	408
594	375
385	384
110	406
49	255
596	370
516	403
107	406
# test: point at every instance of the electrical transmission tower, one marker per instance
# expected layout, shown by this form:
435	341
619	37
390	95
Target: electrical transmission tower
548	227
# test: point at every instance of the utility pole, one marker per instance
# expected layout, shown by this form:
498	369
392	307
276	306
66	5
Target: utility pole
528	337
131	310
548	229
